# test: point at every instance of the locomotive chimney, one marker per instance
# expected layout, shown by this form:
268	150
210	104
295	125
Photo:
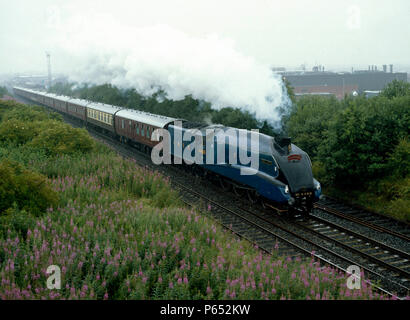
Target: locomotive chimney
284	143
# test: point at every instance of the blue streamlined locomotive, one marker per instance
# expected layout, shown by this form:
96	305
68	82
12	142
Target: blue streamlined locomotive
283	175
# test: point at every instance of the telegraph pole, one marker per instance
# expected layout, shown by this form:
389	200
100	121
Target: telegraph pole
49	69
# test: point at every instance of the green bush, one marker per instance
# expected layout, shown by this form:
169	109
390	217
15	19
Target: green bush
17	132
58	138
23	112
309	120
398	164
24	189
359	141
5	106
21	123
396	88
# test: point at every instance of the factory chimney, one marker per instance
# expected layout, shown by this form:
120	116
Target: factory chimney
384	68
391	68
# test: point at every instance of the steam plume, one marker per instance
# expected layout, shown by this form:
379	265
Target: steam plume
160	57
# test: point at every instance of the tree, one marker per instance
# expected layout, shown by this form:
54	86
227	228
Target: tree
396	88
360	140
309	120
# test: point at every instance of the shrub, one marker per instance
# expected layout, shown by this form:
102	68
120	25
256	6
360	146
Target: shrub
58	138
21	123
396	88
5	106
359	141
24	112
17	132
24	189
398	164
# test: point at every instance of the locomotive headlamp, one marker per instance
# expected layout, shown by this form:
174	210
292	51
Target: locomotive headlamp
286	189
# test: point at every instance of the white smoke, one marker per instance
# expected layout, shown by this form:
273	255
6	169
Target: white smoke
160	57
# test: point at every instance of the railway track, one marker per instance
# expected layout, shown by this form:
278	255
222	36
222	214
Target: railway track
365	218
380	253
308	236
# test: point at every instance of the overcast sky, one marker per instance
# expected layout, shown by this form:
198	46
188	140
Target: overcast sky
279	33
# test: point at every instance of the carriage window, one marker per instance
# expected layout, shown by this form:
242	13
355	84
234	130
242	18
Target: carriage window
137	128
129	123
148	132
122	123
142	130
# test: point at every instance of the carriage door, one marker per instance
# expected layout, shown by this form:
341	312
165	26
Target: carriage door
129	128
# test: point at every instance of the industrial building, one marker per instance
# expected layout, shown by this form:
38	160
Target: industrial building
320	82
